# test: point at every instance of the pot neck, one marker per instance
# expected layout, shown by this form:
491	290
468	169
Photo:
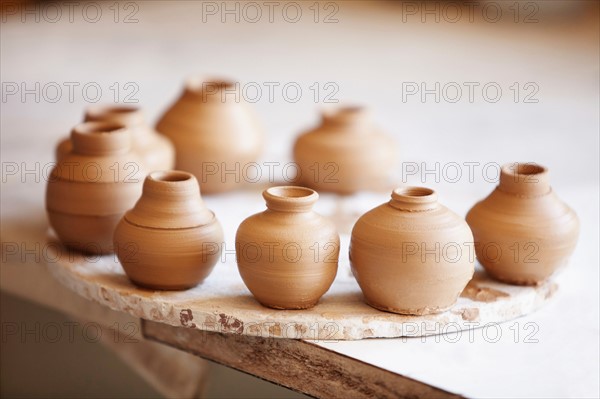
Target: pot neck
351	119
414	199
290	199
524	179
101	139
126	115
170	199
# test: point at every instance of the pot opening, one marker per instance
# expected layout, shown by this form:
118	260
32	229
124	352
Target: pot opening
527	169
414	192
125	114
524	179
100	138
115	110
290	198
98	127
219	85
347	111
170	176
414	199
290	192
350	109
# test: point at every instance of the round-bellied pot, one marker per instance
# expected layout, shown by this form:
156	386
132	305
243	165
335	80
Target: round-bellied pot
346	153
523	231
288	254
155	150
215	133
93	185
170	240
412	255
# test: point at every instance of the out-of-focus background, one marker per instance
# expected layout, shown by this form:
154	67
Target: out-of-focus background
483	82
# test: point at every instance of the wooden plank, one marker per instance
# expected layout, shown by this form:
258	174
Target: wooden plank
295	364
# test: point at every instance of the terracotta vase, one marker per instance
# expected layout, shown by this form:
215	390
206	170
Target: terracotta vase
170	240
412	255
288	254
155	150
523	231
215	133
345	154
93	185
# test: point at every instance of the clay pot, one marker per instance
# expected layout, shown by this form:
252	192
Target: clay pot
155	150
523	231
345	154
288	254
93	185
412	255
215	133
170	240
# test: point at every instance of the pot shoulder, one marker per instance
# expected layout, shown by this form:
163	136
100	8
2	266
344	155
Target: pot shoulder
279	227
389	227
541	216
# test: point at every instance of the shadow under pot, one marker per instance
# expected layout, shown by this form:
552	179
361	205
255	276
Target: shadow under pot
155	150
170	240
288	254
523	232
412	255
93	185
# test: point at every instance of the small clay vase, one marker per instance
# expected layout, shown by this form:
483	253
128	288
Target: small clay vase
523	231
215	133
170	240
345	154
93	185
155	150
412	255
288	254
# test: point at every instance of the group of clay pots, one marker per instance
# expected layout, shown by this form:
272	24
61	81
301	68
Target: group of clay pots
113	189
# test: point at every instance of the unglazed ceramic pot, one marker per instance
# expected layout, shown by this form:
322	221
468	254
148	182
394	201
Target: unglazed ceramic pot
155	150
170	240
523	231
412	255
345	154
93	185
216	134
288	254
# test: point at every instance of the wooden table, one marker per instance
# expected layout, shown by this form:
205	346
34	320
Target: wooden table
371	56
